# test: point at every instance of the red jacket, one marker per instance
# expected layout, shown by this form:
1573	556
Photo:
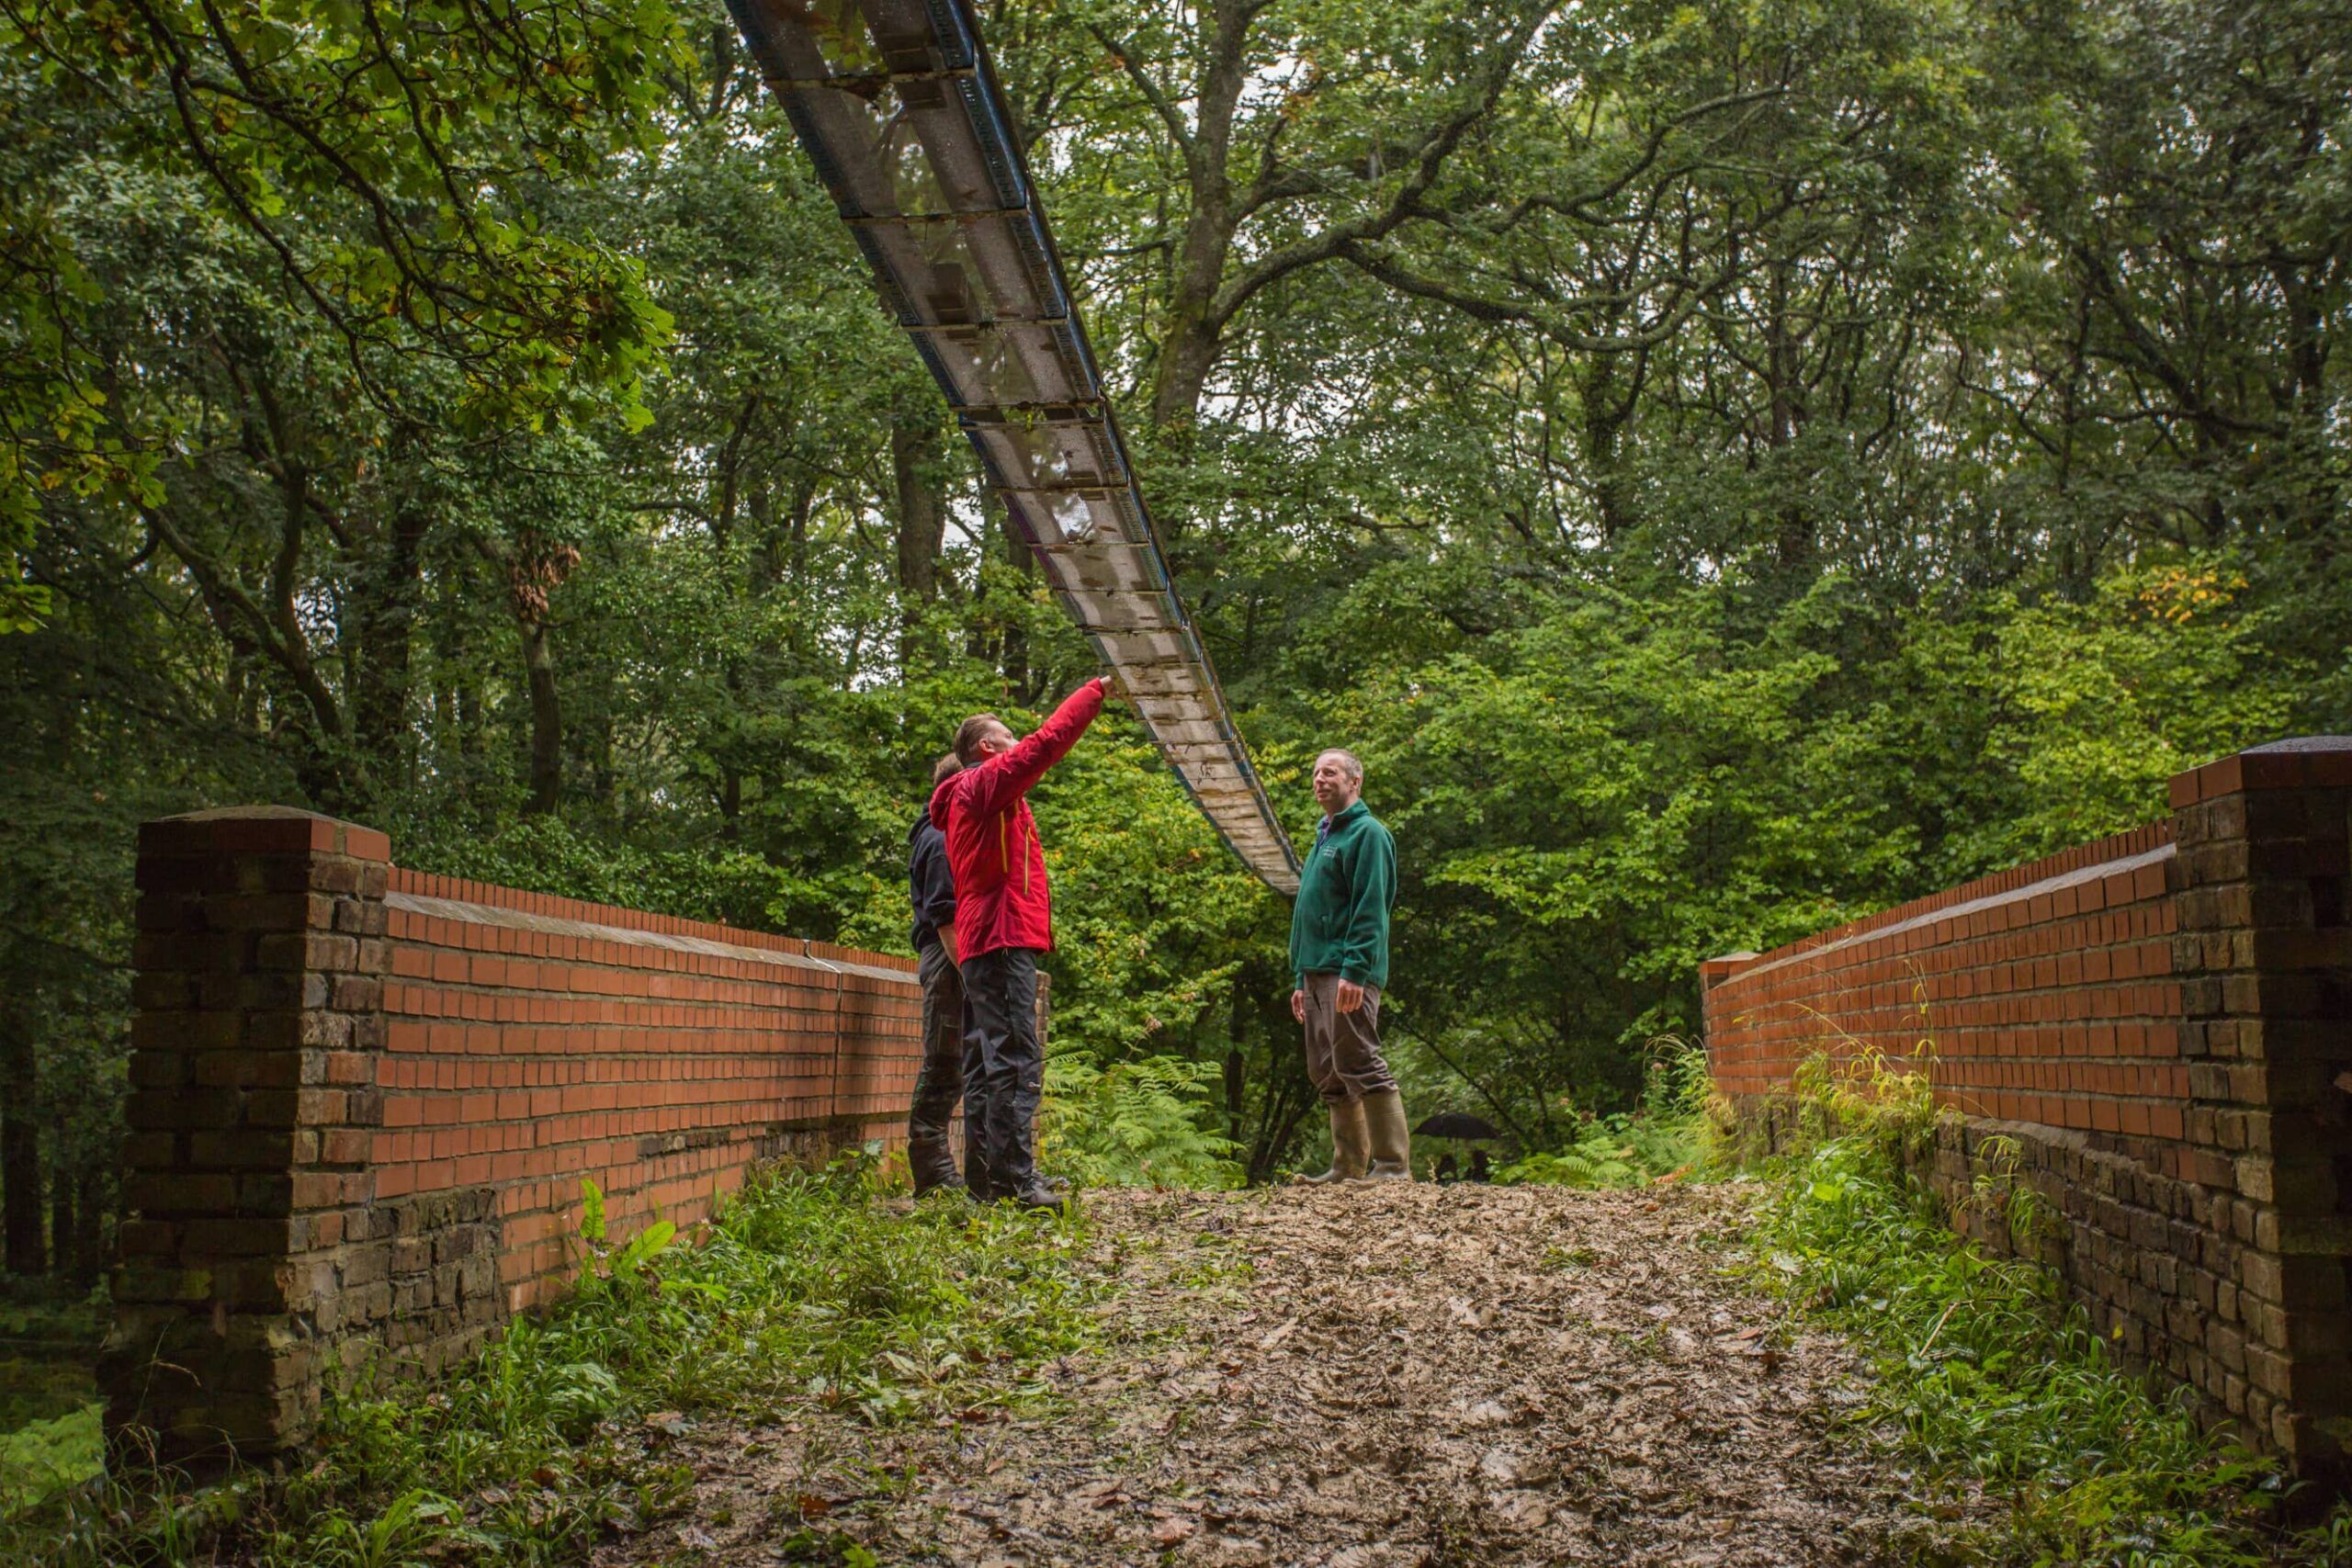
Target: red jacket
1002	899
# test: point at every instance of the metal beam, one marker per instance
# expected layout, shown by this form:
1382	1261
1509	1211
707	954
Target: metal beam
902	116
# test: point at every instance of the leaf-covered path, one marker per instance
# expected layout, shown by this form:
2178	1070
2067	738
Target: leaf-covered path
1380	1375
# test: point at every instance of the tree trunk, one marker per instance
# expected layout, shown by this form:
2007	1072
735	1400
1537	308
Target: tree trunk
1193	339
915	459
547	720
1237	1087
19	1149
1286	1107
1187	355
1016	636
89	1235
1793	541
916	467
61	1217
1604	427
387	593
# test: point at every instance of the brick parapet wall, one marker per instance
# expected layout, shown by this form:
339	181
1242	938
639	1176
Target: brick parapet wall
2155	1032
2046	991
365	1101
534	1041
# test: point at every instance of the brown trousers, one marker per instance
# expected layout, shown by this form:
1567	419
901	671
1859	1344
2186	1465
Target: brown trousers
1343	1057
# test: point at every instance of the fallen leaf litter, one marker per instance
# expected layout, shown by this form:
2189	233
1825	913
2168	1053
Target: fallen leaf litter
1380	1376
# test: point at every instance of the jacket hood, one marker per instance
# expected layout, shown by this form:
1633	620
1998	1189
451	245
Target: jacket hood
939	798
919	826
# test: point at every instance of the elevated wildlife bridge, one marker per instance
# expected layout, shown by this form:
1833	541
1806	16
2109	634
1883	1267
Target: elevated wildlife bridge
898	109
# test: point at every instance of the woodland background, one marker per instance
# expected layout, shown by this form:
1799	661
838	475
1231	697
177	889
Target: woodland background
1727	467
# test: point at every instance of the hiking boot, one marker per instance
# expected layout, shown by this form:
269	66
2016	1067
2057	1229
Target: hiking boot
1349	1143
1392	1141
929	1160
1040	1196
953	1185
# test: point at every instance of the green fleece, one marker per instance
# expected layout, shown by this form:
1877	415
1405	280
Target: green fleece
1339	924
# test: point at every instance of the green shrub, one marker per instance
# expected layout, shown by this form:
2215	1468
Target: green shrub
42	1456
1134	1124
1669	1135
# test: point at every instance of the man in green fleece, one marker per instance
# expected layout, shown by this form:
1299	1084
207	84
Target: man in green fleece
1339	950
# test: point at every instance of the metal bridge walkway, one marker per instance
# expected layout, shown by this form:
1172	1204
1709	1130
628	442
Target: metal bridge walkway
897	106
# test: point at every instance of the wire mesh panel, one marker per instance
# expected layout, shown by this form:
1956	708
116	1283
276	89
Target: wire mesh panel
895	102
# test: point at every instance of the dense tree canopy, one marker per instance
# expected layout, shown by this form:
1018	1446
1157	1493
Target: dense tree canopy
1727	467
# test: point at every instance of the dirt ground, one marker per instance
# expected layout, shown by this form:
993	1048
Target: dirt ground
1373	1377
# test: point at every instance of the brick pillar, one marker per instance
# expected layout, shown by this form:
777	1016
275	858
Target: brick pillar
258	995
2264	952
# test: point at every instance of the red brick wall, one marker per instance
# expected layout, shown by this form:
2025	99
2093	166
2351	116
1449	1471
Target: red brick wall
2044	993
366	1101
535	1041
2154	1031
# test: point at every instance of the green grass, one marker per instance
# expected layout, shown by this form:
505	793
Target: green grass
1989	1378
807	1292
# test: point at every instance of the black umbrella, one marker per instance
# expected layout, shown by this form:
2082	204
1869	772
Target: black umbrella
1456	1124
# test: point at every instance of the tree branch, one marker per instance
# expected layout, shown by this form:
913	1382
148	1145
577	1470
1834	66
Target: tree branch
1487	82
1153	94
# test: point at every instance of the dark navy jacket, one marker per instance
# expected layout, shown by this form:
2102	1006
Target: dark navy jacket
931	887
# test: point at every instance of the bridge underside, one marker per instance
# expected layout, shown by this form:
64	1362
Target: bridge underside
901	115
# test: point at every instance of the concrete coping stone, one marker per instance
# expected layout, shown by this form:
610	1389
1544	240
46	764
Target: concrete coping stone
519	919
2065	879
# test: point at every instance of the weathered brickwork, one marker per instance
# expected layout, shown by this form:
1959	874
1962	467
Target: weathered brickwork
365	1102
534	1041
2154	1031
260	958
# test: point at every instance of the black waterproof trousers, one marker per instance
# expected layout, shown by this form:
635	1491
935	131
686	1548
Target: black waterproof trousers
941	1083
1004	1072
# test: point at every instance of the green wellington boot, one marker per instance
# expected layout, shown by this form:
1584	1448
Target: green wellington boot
1349	1143
1392	1143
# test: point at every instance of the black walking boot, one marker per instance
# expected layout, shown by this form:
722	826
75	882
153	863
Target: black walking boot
1039	1196
932	1163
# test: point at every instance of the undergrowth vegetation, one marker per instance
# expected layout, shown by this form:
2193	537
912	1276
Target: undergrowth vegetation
39	1457
1985	1376
1138	1122
49	1417
806	1290
1667	1136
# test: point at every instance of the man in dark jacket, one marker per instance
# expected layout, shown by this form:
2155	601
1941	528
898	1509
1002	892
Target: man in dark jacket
931	888
1004	924
1338	952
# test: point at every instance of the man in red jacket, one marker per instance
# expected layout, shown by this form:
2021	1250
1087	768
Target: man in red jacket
1003	922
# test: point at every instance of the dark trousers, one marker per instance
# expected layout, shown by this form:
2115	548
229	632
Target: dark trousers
1005	1071
941	1084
